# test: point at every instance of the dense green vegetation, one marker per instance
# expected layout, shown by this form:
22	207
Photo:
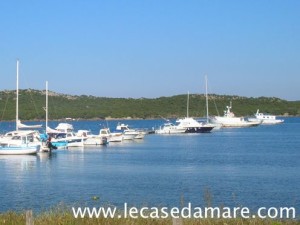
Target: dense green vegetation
66	217
32	102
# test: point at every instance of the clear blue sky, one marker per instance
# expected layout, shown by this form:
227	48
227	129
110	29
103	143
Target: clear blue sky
152	48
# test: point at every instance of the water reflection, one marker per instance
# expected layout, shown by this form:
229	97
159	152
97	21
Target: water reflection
18	162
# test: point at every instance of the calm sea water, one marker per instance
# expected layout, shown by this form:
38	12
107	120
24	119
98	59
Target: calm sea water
250	167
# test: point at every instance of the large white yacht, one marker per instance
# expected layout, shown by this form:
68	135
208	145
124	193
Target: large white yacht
230	120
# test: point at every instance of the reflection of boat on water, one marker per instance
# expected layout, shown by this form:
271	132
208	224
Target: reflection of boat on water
16	164
265	118
230	120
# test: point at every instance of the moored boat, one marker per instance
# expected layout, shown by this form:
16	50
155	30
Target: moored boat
19	150
266	118
64	132
230	120
130	134
91	139
191	125
170	128
111	137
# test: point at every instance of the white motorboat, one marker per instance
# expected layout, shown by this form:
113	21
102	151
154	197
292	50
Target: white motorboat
130	134
64	132
111	137
170	128
265	118
18	138
22	143
230	120
92	139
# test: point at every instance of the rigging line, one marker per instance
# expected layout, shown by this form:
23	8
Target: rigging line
215	104
53	105
31	97
5	106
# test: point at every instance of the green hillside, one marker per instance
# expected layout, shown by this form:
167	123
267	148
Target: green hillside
31	103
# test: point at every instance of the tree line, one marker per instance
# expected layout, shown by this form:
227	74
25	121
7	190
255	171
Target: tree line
32	106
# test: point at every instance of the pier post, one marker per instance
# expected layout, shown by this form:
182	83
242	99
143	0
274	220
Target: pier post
29	217
177	221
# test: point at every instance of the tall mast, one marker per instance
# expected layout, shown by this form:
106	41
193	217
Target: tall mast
17	97
187	105
206	99
46	105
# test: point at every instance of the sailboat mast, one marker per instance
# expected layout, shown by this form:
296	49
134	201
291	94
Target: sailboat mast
17	97
46	105
187	105
206	96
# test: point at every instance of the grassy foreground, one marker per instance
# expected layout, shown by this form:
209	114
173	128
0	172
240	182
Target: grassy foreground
13	218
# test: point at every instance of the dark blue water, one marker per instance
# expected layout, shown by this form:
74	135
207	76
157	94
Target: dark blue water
252	167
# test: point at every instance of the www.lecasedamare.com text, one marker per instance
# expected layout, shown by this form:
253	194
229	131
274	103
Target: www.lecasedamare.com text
185	212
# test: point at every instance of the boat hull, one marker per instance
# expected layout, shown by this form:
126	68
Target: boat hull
235	122
28	150
267	121
204	129
129	136
271	122
170	131
96	141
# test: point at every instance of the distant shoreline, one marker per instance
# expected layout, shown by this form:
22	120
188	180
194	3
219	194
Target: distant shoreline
125	118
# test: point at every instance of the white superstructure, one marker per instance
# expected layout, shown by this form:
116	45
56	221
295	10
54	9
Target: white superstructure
266	119
230	120
170	128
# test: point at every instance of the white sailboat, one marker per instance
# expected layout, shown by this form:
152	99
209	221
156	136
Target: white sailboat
208	123
18	121
20	142
191	125
63	136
